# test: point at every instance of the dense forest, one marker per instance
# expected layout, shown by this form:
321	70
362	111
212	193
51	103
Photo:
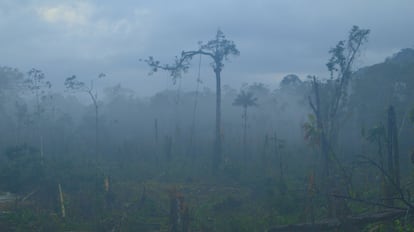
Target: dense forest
332	153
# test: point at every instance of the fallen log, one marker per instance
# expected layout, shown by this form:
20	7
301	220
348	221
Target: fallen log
346	223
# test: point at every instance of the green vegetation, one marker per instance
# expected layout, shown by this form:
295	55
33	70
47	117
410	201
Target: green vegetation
318	154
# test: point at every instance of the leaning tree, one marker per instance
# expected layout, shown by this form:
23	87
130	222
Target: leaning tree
73	84
219	50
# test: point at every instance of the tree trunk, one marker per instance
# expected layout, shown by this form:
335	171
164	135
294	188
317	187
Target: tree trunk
324	148
328	183
383	186
42	153
156	140
395	147
96	133
217	145
393	153
245	134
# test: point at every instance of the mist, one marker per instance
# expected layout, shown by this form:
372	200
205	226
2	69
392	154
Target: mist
255	116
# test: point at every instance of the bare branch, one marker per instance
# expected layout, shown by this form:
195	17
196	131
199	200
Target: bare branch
400	192
217	49
349	223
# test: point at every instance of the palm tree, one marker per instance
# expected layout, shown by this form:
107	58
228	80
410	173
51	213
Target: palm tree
245	100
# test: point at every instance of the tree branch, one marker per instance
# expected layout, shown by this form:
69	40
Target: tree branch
400	192
367	202
346	224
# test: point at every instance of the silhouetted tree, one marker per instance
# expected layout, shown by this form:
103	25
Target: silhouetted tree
290	80
10	88
245	100
393	156
219	49
38	85
10	78
378	136
73	84
22	118
329	99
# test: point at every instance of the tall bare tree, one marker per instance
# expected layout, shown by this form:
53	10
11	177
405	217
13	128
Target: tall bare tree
328	100
73	84
36	82
393	154
219	50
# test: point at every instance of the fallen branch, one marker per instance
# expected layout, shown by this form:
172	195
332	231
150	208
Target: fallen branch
370	202
29	195
344	223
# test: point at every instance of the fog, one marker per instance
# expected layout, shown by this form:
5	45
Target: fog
218	116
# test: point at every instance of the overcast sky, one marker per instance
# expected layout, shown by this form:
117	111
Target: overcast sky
275	37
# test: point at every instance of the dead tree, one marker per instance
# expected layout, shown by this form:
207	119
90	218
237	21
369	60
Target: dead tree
37	84
393	157
219	49
74	85
329	100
